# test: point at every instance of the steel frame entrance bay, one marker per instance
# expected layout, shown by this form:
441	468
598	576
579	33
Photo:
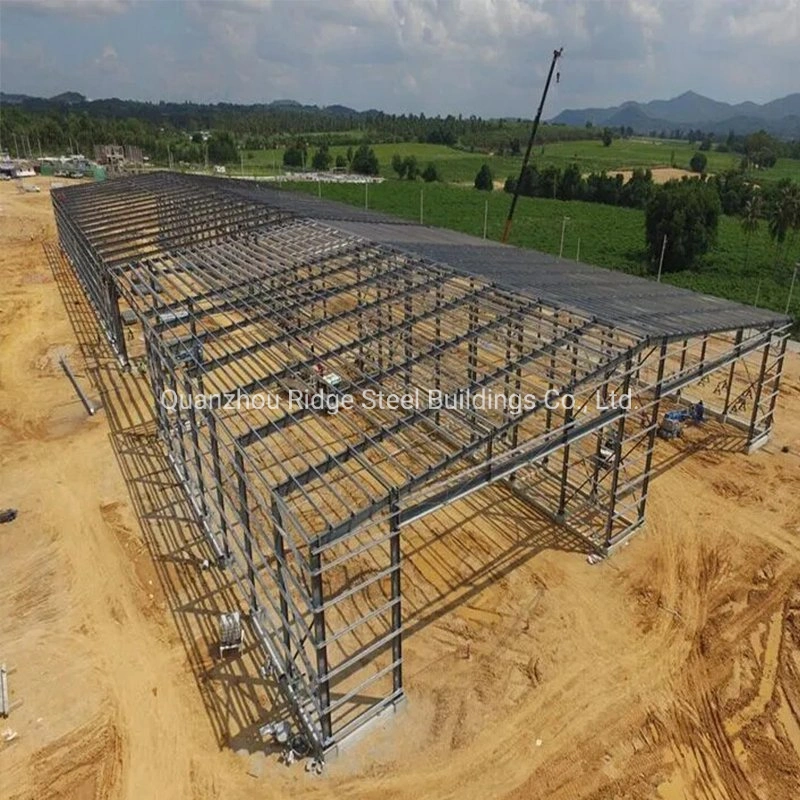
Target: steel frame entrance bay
306	509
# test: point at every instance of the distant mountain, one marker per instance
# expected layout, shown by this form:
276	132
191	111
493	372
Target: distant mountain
693	111
284	104
340	111
14	99
65	98
68	98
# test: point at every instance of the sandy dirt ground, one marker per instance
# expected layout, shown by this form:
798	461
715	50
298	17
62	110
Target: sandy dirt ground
671	670
660	174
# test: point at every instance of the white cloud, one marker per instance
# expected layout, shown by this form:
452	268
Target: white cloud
473	56
83	8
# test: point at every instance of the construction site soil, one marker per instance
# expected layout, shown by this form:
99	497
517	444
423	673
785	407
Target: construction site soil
670	670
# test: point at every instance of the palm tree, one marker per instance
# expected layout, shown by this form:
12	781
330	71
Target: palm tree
750	222
784	216
792	201
778	221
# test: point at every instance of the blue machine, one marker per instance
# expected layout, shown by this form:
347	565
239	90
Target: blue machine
672	425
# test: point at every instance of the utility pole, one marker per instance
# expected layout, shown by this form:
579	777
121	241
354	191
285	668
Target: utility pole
578	254
366	194
661	259
791	288
485	218
507	228
563	230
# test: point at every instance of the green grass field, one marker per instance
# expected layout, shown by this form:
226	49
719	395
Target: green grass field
459	166
607	236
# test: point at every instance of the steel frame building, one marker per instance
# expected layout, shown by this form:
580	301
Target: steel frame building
258	293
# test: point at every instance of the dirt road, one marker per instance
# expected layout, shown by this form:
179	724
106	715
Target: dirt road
670	671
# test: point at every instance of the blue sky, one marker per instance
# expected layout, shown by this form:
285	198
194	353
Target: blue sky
485	57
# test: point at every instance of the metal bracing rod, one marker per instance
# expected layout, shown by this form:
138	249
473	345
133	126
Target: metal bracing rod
651	442
280	558
617	456
726	407
776	380
342	349
244	513
133	200
211	421
319	643
682	367
226	226
759	387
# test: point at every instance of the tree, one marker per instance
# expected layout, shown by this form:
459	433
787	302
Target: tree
698	162
399	165
750	222
687	213
483	180
322	158
430	174
636	192
222	148
760	149
294	155
365	162
572	185
341	162
783	213
607	137
411	167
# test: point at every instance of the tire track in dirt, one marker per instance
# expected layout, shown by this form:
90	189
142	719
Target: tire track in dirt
86	764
